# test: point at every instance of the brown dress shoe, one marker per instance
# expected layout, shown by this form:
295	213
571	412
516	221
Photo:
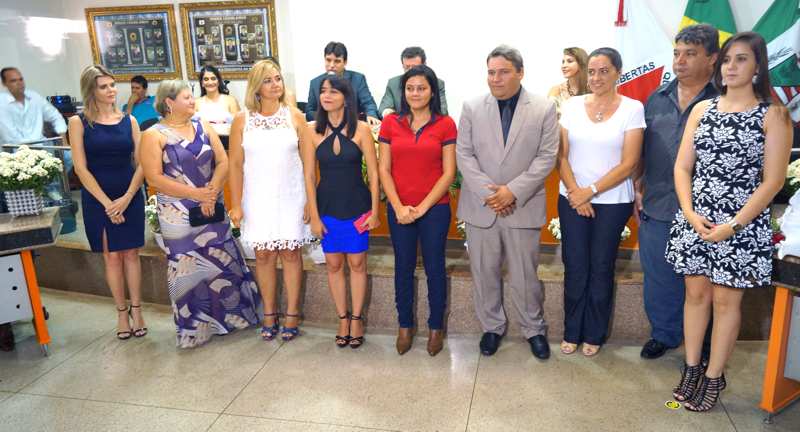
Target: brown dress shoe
435	341
404	339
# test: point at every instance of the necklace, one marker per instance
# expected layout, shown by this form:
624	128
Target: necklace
570	91
180	125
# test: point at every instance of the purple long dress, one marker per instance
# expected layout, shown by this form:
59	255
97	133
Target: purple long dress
211	288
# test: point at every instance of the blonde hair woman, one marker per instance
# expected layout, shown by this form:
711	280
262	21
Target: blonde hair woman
211	288
105	145
268	192
573	68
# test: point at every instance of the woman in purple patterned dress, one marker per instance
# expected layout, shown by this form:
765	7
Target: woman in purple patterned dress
211	288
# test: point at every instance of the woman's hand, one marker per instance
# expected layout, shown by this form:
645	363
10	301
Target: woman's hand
579	196
406	214
118	206
701	225
318	228
236	215
719	233
306	214
205	195
372	222
207	208
585	210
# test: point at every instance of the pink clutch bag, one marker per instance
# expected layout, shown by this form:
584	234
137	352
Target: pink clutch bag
360	221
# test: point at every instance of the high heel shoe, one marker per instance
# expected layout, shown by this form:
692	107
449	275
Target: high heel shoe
269	332
707	394
357	341
343	341
289	333
124	334
435	341
690	376
139	332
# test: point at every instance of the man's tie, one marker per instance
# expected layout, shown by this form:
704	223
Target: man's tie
505	120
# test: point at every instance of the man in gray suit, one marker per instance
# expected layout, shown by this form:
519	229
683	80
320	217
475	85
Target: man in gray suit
410	57
507	146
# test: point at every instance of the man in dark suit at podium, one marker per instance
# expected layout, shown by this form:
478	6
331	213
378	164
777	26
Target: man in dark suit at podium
335	62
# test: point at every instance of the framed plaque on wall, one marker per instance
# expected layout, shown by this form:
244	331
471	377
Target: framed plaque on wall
229	35
135	40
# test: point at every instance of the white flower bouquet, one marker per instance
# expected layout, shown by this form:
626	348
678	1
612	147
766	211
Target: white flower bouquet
151	214
555	229
28	169
793	177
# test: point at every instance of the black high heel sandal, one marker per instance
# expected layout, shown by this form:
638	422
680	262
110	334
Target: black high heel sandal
343	341
140	332
356	341
690	376
707	394
126	334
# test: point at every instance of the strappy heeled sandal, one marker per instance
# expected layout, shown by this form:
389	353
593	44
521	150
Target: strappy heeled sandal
357	341
125	334
343	341
140	332
568	348
690	376
707	394
268	332
289	333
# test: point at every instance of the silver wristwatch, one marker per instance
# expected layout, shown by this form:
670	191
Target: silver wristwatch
736	226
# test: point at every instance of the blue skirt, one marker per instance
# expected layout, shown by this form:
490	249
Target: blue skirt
342	236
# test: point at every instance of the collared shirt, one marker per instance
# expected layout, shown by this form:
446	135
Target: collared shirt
143	110
21	123
417	157
512	100
662	138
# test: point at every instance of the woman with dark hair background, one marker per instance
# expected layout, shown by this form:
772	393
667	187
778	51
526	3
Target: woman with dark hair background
417	166
731	163
341	208
215	104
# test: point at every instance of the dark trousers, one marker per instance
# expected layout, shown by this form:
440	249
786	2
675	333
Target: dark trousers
589	250
431	232
664	291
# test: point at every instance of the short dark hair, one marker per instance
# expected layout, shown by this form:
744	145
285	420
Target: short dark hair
761	86
612	54
337	49
508	53
223	88
412	52
704	35
435	104
350	118
142	81
6	69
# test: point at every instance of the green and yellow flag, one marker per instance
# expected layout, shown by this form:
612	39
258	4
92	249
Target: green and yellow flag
715	12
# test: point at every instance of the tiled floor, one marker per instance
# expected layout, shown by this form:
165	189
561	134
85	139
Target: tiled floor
92	382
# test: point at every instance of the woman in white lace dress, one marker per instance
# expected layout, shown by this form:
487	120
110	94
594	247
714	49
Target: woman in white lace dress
268	192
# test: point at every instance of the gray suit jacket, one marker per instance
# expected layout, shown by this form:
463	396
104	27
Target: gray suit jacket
523	164
391	97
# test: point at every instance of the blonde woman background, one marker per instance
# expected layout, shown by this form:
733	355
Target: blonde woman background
573	68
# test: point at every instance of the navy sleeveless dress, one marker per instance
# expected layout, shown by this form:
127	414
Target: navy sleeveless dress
109	157
342	196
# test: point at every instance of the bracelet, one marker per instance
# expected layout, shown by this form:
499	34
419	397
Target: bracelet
593	188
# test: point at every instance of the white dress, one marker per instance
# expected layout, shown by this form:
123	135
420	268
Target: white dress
274	194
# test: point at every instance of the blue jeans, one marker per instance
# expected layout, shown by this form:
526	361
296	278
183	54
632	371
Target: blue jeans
664	291
589	250
431	232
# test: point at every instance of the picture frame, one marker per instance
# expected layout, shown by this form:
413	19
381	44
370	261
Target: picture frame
135	40
232	36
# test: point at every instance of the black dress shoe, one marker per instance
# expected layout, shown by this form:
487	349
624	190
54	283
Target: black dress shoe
489	343
539	347
654	349
6	337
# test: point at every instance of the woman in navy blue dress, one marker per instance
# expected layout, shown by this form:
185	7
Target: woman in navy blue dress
104	149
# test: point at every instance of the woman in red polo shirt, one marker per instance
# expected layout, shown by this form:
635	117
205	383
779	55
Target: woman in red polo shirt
417	165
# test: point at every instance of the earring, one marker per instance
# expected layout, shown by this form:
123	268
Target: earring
258	97
755	78
724	84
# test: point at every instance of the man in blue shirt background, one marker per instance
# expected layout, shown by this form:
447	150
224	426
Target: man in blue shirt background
140	105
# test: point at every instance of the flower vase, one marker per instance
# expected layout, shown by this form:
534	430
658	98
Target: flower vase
24	202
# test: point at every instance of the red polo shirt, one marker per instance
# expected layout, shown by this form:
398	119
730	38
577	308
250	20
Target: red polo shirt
417	157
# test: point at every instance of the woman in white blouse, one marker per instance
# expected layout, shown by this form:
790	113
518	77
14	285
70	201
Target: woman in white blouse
601	142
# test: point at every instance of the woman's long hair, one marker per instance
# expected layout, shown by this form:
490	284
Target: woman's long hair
350	119
435	104
223	89
582	59
761	86
89	78
255	78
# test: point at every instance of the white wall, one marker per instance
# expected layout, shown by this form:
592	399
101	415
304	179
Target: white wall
456	35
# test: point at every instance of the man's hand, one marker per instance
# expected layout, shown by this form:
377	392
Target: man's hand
372	121
501	198
507	211
131	102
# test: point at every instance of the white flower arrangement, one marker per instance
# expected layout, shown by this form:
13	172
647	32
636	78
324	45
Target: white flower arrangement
793	174
555	229
151	214
28	169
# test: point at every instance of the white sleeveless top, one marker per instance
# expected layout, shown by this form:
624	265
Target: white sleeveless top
215	112
274	193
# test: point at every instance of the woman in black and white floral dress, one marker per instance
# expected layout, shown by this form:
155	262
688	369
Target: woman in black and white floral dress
731	163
